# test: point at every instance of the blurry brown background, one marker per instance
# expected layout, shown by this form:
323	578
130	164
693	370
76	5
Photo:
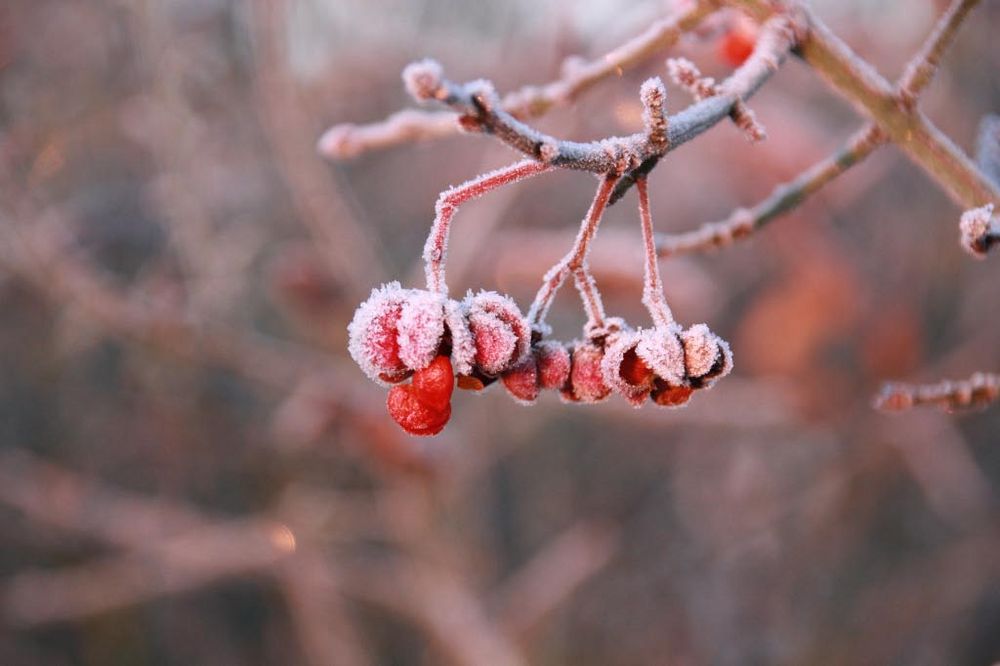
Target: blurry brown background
193	471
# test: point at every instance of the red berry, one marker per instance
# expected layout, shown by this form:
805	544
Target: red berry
374	343
737	44
435	383
424	407
413	414
501	333
553	364
586	381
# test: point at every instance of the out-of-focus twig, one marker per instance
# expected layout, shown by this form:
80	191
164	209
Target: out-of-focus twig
979	390
546	581
783	198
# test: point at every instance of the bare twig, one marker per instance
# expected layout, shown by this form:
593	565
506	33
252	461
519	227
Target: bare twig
978	391
783	198
575	263
348	140
921	68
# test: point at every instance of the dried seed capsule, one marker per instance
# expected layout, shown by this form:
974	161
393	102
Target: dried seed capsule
624	371
660	349
706	356
500	332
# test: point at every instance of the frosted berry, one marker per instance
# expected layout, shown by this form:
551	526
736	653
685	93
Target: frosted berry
660	349
706	355
521	381
553	364
586	381
500	332
420	328
666	395
373	337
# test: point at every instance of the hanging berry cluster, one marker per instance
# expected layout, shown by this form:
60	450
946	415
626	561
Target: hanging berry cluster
436	342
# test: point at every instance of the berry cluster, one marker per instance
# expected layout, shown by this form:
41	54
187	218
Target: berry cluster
423	334
398	334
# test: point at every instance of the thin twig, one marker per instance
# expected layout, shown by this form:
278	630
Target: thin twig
921	68
652	288
575	263
783	198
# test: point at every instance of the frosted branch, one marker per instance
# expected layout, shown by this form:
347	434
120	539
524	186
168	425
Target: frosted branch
980	231
349	140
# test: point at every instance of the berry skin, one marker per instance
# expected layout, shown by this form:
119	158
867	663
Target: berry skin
586	381
553	364
501	333
424	406
623	369
414	415
521	381
665	395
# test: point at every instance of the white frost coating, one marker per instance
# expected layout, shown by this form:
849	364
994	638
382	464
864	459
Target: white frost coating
463	346
975	226
423	79
660	348
502	334
614	355
372	332
421	327
701	350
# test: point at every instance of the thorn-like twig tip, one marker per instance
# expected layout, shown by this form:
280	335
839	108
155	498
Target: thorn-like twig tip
423	79
980	231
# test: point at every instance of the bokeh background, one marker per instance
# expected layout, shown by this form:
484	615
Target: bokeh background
193	471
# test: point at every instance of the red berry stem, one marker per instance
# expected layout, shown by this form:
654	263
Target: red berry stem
652	289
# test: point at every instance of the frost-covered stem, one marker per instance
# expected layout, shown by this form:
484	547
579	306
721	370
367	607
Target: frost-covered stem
921	68
349	140
783	198
436	247
980	231
482	111
575	262
652	286
978	391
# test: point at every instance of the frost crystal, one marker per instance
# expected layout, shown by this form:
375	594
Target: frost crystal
463	346
661	350
372	335
979	232
423	79
421	328
501	333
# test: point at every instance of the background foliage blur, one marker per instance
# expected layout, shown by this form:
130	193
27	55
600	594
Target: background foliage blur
223	486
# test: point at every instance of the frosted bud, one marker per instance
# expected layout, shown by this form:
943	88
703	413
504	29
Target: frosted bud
706	356
373	337
501	334
423	79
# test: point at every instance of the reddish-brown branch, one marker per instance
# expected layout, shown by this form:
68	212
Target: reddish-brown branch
978	391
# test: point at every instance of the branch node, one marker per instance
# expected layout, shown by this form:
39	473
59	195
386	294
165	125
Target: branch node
424	80
980	231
